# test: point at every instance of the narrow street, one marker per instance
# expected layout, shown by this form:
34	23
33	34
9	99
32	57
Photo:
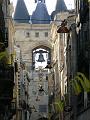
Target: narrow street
45	60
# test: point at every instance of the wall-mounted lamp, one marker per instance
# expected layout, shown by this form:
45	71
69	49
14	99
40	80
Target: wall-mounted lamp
63	28
41	89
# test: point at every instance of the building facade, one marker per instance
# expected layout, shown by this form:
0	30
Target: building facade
68	47
33	37
57	40
83	38
6	61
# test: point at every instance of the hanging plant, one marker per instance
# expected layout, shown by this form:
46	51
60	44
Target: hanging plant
80	82
4	57
59	105
76	86
2	54
85	81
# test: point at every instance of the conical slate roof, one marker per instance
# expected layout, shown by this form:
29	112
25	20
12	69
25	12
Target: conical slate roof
60	6
40	15
21	14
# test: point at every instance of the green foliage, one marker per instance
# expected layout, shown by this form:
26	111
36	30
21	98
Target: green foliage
59	105
85	83
80	82
76	86
2	54
4	57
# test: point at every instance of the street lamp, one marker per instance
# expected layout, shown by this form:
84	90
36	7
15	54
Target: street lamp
42	91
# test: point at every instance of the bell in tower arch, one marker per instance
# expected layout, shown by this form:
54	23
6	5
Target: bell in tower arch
41	58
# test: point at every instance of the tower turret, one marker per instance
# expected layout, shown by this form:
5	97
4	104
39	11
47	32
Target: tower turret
40	15
21	13
60	6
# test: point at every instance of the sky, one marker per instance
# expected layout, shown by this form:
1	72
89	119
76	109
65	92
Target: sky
49	3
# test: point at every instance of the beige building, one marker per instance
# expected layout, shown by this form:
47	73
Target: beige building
59	44
42	40
59	39
32	35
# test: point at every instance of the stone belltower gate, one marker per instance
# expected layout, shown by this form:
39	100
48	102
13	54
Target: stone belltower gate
32	36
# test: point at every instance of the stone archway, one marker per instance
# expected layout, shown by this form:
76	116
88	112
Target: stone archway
41	51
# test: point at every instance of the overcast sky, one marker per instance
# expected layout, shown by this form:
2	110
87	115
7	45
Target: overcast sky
49	3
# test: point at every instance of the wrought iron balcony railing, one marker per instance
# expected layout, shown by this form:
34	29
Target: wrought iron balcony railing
6	73
6	83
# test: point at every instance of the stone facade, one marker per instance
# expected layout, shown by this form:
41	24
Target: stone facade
60	57
28	37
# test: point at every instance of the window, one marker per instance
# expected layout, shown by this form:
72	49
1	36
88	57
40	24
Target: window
27	34
37	34
6	37
46	34
46	77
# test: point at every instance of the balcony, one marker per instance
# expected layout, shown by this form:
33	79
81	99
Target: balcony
6	74
6	83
